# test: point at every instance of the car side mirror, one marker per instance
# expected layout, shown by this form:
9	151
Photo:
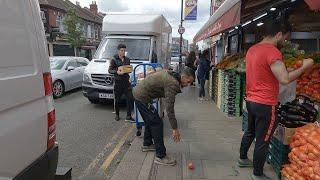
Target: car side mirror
70	68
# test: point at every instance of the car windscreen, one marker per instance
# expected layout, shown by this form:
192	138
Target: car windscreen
137	49
57	64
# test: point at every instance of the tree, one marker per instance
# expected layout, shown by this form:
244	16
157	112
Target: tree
74	33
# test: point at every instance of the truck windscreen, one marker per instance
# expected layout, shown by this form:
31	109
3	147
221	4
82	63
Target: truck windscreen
137	49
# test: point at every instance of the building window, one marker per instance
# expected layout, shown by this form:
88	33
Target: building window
58	21
89	31
92	31
96	33
85	30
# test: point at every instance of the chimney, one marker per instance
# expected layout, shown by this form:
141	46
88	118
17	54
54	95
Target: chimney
77	3
94	7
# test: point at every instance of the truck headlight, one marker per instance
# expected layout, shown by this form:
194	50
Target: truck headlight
86	78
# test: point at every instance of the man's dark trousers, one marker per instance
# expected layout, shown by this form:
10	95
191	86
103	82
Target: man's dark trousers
123	87
153	127
262	121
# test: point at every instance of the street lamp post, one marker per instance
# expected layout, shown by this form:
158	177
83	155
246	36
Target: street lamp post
181	21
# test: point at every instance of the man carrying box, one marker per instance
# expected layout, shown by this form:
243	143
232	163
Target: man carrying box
120	68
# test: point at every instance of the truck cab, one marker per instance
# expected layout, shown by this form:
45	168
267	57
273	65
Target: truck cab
148	39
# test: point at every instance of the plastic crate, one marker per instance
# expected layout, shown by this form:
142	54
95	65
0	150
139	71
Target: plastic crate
275	165
279	151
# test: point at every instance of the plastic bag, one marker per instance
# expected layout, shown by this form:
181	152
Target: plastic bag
287	93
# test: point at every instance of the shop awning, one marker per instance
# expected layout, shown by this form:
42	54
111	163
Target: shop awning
228	15
313	4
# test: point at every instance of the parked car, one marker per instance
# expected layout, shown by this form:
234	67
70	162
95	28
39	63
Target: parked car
67	73
27	116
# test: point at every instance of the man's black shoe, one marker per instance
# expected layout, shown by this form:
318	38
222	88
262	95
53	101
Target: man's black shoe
117	118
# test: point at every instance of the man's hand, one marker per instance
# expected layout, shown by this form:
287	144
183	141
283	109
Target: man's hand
307	63
119	72
176	135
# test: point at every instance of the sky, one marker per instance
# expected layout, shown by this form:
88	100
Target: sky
169	8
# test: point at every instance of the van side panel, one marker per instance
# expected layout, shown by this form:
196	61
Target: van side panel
23	107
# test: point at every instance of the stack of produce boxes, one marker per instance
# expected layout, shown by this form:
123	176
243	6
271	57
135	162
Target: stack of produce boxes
277	155
211	85
224	91
216	86
219	92
291	116
232	94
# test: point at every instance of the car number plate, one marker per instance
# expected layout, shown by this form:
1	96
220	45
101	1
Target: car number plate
105	96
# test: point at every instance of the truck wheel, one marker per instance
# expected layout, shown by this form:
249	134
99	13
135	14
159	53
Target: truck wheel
58	89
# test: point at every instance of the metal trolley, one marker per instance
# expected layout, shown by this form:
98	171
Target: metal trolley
156	102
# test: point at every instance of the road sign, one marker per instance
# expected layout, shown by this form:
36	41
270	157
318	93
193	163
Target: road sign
181	30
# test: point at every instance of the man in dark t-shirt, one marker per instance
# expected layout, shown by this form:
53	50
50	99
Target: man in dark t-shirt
265	70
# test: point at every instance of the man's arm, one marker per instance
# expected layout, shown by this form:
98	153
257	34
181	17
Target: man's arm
113	68
170	94
284	77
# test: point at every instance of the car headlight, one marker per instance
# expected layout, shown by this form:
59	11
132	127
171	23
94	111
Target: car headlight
86	78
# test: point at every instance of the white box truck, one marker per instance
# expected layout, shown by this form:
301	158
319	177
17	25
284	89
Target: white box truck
148	39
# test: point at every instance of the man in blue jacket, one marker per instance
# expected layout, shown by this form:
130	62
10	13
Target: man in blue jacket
203	70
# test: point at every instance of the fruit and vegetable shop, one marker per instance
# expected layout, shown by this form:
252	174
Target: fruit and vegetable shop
294	151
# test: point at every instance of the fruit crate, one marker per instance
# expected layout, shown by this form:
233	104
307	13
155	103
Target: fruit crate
279	150
277	155
276	166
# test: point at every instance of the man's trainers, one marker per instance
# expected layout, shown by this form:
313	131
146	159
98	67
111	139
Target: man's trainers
129	119
117	118
152	147
245	163
263	177
167	161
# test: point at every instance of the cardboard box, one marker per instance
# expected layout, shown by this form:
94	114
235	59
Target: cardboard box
126	68
284	134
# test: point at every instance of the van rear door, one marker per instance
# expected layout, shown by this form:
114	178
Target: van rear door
23	105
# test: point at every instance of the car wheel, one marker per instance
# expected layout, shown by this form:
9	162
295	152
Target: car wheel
58	89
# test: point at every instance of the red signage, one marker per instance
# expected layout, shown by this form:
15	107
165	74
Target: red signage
313	4
229	19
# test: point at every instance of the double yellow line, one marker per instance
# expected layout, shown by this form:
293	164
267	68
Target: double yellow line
115	151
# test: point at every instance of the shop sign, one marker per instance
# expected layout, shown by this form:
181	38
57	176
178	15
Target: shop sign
227	20
313	4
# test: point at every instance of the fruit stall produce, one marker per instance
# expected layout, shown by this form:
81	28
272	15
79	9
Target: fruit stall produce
226	85
304	157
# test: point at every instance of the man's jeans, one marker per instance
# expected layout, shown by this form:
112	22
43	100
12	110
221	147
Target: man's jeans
153	127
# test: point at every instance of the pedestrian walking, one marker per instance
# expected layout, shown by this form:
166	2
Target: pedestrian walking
203	70
162	84
122	85
265	70
190	60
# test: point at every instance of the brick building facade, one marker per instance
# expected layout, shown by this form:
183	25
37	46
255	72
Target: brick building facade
54	12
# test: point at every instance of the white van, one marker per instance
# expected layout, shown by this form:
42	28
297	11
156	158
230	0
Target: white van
148	39
28	149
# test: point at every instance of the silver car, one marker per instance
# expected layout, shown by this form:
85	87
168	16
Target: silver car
67	73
